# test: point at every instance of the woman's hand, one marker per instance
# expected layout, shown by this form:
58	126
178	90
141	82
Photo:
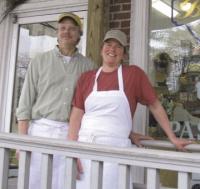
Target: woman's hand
137	137
180	143
79	169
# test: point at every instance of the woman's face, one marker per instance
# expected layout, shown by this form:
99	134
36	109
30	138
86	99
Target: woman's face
112	53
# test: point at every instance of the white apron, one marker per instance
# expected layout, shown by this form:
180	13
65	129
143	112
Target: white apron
107	120
50	129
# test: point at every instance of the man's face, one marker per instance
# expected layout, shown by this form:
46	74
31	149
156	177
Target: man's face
68	33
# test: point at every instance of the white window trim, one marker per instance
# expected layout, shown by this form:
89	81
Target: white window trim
139	55
24	14
139	50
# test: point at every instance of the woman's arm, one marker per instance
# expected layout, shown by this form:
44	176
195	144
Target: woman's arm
137	137
161	117
74	127
75	123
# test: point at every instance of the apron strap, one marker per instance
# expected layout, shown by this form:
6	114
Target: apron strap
95	81
120	79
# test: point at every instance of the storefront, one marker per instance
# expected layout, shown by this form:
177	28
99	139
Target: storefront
165	44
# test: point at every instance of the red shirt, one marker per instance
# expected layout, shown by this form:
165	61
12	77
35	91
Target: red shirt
137	86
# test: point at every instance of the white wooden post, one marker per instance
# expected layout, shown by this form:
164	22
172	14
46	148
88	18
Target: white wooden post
24	167
96	177
184	180
46	171
153	178
71	172
4	161
124	176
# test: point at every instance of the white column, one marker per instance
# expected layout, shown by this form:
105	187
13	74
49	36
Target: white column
139	46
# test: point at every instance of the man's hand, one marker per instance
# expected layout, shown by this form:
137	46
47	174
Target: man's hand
79	169
137	137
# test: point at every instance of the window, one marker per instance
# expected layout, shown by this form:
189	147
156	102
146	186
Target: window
174	66
33	31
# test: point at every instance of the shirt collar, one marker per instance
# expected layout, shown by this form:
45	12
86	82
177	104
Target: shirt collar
58	53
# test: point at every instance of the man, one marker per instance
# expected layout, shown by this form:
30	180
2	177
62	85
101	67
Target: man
47	92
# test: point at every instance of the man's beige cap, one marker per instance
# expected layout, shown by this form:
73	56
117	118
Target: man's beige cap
118	35
72	16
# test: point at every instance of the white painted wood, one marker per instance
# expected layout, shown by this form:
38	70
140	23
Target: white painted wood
184	180
6	38
139	29
50	7
71	173
96	174
4	160
160	159
23	171
124	176
153	179
10	78
46	171
153	160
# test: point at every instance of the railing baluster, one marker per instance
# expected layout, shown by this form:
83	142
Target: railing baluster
124	176
24	167
184	180
4	161
46	170
153	178
96	175
71	172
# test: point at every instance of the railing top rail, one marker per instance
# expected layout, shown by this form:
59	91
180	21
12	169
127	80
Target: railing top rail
168	145
179	161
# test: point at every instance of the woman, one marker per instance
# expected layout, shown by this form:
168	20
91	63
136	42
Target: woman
105	102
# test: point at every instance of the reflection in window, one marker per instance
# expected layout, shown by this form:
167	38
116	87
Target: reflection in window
33	39
175	68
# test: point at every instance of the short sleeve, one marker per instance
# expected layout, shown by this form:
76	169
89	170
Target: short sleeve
146	93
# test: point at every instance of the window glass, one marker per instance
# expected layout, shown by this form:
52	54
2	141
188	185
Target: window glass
33	39
174	67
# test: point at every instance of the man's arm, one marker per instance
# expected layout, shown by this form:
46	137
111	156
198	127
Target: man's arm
22	130
23	127
161	117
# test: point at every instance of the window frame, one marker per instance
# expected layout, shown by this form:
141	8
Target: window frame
32	12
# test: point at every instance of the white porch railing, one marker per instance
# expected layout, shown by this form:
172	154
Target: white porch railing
152	160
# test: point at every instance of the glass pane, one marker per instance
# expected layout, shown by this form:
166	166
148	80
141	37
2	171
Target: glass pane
33	39
174	68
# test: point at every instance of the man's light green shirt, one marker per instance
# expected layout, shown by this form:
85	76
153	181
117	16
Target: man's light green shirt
49	86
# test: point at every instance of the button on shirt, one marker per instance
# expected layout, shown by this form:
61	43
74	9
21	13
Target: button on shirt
49	86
